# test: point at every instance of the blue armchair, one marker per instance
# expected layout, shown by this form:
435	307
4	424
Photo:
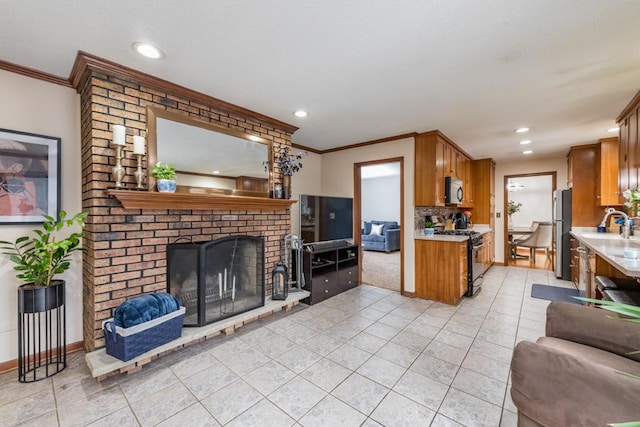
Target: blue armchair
385	238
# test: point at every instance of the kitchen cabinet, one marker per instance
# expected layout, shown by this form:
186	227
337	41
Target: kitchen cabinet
583	162
574	262
468	183
436	157
489	252
483	174
608	194
441	270
629	147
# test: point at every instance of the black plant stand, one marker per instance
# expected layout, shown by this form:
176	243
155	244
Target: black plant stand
42	350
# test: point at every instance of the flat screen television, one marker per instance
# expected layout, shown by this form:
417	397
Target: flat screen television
325	218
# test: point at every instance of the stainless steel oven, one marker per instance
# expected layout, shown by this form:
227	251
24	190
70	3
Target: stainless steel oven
477	261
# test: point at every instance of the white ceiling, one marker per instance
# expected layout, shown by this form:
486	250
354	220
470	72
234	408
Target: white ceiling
367	69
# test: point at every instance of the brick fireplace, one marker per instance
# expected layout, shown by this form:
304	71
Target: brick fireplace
125	248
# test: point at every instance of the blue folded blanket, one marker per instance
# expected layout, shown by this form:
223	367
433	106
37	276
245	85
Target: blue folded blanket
142	309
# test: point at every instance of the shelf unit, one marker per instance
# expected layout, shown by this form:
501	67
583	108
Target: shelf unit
329	272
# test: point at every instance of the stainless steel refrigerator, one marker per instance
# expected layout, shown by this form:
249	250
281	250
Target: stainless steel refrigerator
562	221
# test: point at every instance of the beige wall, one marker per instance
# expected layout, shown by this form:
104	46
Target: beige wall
554	164
306	181
337	180
34	106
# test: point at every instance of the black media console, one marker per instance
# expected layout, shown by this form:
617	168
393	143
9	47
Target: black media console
329	269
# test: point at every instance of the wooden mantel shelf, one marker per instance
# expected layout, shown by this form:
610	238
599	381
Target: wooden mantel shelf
131	199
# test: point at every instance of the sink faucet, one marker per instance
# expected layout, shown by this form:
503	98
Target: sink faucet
626	227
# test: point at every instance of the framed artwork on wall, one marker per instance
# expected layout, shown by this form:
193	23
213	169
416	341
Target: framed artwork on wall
29	177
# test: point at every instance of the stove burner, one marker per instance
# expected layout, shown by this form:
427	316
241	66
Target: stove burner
458	232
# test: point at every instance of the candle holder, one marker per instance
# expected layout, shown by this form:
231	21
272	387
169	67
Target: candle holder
139	174
118	170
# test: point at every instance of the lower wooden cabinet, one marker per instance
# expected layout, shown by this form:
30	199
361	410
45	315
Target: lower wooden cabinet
441	270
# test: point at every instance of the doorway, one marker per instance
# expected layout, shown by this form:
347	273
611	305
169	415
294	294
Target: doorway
379	198
528	204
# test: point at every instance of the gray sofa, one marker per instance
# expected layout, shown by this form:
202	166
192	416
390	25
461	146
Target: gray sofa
387	241
572	376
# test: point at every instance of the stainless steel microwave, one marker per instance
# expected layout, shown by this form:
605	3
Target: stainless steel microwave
452	191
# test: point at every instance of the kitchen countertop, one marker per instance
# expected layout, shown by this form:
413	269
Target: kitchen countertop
419	235
610	246
482	228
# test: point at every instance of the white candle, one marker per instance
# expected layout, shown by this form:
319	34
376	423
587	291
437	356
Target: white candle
220	284
233	290
225	280
138	144
119	132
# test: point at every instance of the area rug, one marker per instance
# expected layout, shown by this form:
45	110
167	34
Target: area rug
381	269
555	293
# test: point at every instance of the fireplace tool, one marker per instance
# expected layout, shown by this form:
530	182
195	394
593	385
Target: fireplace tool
293	247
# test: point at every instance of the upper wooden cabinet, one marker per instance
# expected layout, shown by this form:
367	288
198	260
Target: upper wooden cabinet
483	174
583	164
629	147
608	194
436	157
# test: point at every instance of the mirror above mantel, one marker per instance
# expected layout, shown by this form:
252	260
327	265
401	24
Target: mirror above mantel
208	158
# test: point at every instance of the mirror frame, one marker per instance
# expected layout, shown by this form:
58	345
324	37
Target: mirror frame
153	113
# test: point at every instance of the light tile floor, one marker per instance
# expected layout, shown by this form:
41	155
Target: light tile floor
368	357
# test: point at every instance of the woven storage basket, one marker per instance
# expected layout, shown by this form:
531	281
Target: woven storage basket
127	343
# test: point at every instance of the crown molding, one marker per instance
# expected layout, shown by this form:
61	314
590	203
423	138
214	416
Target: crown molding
630	106
85	61
30	72
372	142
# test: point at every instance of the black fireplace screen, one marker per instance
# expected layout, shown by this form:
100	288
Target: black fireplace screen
217	279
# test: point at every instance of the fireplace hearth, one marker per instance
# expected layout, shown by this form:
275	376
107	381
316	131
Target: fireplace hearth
217	279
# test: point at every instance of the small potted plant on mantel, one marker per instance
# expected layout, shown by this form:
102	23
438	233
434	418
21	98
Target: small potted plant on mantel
165	176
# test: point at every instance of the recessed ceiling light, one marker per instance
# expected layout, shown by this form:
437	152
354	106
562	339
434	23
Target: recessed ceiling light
300	113
147	50
527	152
615	129
522	130
525	142
216	172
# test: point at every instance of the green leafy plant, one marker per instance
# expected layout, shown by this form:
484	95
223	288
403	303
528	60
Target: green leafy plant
429	224
513	207
39	258
163	171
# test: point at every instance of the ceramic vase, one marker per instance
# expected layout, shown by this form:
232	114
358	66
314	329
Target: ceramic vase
286	187
166	185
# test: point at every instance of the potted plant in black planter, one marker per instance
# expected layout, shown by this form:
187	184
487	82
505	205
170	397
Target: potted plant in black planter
39	258
165	176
